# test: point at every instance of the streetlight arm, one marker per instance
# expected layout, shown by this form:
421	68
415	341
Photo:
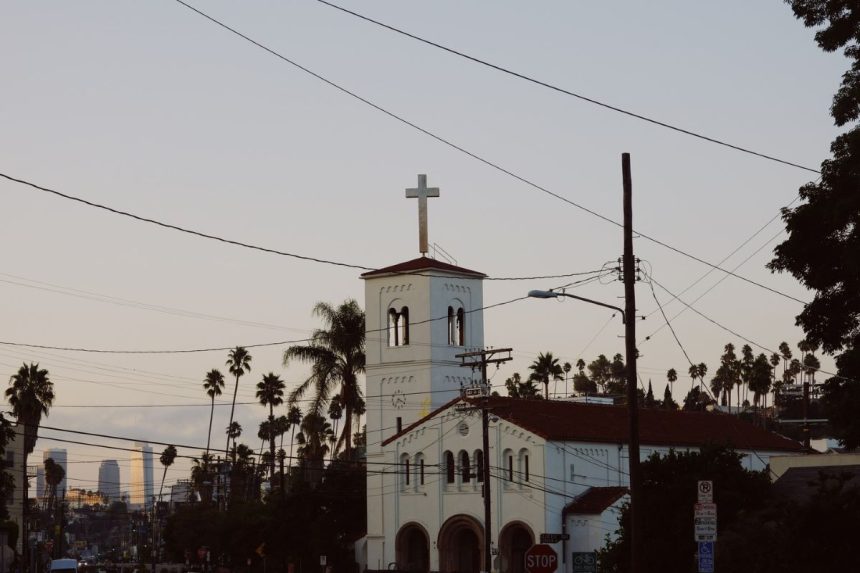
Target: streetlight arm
553	294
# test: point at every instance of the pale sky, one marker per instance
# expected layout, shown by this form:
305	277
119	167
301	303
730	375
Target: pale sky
147	107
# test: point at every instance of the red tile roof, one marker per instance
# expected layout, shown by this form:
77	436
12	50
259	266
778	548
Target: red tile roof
595	500
422	264
570	421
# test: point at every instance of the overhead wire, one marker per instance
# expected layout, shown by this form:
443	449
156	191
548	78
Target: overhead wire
558	89
471	154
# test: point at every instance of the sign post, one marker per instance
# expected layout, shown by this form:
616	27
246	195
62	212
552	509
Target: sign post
541	559
705	526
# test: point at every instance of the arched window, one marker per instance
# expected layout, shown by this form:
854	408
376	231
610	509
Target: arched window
404	471
465	469
398	327
450	468
508	463
404	326
393	330
456	323
479	466
461	327
524	465
419	469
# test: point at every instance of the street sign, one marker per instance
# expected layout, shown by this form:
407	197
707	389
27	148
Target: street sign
584	562
705	490
705	522
541	559
554	537
706	557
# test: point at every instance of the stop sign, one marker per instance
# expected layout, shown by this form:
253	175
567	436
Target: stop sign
541	559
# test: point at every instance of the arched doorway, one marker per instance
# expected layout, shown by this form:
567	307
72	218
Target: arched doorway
460	541
514	540
413	549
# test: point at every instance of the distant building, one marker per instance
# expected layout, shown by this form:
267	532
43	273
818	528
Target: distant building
109	480
180	493
59	456
140	483
78	498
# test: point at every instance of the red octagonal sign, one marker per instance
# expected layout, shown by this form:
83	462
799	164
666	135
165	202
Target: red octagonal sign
541	559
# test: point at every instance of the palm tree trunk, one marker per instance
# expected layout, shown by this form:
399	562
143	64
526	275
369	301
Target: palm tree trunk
271	445
209	435
232	409
347	430
163	475
25	549
292	439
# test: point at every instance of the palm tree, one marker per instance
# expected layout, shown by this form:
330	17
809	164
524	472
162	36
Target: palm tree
336	353
546	368
54	474
31	394
213	383
294	418
672	377
775	360
239	364
168	456
566	368
201	477
335	411
234	430
270	392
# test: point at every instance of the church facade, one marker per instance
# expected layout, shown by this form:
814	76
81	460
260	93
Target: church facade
555	467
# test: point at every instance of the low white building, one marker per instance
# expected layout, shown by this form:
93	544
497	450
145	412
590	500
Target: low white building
556	467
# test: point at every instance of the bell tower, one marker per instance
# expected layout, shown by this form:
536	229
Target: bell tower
419	315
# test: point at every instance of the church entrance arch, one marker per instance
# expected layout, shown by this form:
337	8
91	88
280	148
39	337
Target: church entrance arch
461	539
514	540
413	549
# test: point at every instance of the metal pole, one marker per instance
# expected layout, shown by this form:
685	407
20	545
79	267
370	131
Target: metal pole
630	348
485	426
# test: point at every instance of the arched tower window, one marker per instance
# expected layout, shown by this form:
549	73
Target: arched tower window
456	326
524	465
461	327
404	471
419	469
404	326
398	327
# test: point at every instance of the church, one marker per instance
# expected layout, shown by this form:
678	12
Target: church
555	467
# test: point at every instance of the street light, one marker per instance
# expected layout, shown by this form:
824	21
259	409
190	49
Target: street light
632	406
556	294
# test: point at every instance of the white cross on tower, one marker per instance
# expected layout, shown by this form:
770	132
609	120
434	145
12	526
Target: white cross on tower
421	193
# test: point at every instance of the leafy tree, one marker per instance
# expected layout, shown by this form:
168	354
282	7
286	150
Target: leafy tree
697	400
600	372
618	376
668	403
668	494
335	411
270	392
213	384
650	402
336	355
517	388
239	364
746	370
31	394
544	369
824	231
760	378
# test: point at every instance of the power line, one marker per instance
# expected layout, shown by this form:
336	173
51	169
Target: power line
251	246
471	154
566	92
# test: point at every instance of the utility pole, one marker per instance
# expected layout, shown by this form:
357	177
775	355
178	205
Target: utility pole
481	358
630	350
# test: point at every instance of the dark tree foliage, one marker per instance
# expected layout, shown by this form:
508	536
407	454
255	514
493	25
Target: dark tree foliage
668	497
823	247
787	537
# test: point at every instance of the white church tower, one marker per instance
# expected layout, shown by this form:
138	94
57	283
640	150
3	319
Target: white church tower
419	315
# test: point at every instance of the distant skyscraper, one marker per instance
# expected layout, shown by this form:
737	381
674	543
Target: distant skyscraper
140	483
59	457
109	480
